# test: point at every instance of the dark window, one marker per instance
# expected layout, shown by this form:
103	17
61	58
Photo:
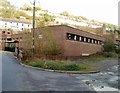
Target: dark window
100	42
82	38
20	37
9	39
72	36
94	41
69	36
8	32
77	37
22	24
3	31
87	39
90	40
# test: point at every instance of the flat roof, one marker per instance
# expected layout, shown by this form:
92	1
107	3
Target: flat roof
78	30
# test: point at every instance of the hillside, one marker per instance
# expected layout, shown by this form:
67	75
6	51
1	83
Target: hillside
25	14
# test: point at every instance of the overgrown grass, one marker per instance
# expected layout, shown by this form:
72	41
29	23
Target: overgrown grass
97	59
101	56
57	65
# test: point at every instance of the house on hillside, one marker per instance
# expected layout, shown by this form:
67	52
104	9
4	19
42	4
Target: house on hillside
14	25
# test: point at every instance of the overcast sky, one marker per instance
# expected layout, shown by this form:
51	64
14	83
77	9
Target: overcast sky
101	10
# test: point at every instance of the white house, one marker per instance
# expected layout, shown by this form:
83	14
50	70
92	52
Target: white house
14	25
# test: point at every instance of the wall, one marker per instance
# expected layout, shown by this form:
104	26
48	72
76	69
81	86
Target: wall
75	48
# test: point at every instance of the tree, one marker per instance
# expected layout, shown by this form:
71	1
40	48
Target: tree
48	17
84	18
37	8
5	13
17	15
46	45
109	46
26	39
5	3
7	10
64	13
27	7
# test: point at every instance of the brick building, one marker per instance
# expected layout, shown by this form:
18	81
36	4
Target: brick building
8	40
75	42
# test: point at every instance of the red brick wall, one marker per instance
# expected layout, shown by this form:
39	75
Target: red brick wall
75	48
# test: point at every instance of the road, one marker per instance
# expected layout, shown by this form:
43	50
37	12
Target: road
19	78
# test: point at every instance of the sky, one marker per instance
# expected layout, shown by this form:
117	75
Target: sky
101	10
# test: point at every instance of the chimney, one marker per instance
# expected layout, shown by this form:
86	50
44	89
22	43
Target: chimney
103	29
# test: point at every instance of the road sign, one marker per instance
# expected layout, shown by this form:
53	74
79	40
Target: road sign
40	36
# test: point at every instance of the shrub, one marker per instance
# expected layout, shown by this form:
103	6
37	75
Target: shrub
109	54
109	46
71	67
100	53
117	50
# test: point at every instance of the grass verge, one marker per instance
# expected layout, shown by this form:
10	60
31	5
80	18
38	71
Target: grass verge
101	56
57	65
97	59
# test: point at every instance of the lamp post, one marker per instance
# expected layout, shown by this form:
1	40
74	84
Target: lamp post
33	29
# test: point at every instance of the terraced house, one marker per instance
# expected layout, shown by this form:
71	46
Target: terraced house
14	25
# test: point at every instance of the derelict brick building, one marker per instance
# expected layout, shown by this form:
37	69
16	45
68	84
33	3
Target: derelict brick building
75	42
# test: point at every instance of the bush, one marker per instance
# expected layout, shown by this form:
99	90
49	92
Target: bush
117	50
109	54
109	46
71	67
100	53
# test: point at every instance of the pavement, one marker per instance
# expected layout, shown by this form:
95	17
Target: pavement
20	78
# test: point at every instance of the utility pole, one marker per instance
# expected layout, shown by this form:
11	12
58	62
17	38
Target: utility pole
33	29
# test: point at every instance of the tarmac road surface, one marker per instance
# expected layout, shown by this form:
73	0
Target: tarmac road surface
16	77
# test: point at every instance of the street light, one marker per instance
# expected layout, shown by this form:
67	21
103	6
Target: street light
33	29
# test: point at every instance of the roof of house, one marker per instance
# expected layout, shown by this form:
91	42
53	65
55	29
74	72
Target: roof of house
15	21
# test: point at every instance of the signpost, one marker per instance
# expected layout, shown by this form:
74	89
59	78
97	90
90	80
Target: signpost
33	29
